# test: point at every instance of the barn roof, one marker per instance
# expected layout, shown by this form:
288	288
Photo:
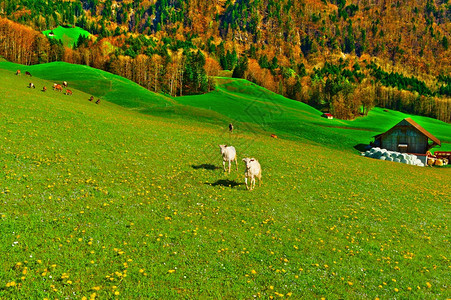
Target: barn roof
418	127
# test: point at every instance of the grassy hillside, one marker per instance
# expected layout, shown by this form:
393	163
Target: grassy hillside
98	200
69	36
248	103
248	106
101	84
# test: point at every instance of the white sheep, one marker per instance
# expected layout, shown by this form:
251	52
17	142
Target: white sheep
253	169
228	154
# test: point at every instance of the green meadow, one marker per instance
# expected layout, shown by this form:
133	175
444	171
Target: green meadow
127	198
69	36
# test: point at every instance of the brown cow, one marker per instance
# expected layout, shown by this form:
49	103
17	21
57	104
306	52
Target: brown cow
28	73
44	89
18	72
274	136
98	101
65	84
58	88
91	98
68	92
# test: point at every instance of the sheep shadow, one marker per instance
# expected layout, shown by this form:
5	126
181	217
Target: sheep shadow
206	167
225	183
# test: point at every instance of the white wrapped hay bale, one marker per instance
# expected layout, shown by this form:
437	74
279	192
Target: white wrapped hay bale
377	154
384	154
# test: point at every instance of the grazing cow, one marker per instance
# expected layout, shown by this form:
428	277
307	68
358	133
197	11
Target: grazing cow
253	169
230	127
28	73
31	85
58	88
65	84
44	89
18	72
68	92
228	155
274	136
91	98
98	101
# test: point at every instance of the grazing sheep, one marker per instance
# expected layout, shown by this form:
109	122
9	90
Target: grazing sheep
31	85
228	154
253	169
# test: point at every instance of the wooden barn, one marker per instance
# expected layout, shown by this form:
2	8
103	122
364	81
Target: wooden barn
406	137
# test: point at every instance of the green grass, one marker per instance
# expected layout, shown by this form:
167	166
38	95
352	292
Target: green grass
103	199
69	36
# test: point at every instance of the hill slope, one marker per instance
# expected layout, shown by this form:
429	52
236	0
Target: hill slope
107	86
98	199
68	36
249	106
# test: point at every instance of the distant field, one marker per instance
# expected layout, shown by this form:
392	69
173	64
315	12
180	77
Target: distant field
69	36
104	201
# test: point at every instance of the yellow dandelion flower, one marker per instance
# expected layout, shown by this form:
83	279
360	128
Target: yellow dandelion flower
350	283
171	271
254	272
428	285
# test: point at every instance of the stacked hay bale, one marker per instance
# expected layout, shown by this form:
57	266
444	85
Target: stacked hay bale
384	154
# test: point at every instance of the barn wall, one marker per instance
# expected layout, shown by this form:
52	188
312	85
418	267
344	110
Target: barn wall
416	141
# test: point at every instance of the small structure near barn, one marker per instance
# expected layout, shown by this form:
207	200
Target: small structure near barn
406	137
327	116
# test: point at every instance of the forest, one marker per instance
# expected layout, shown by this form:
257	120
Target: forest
344	57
